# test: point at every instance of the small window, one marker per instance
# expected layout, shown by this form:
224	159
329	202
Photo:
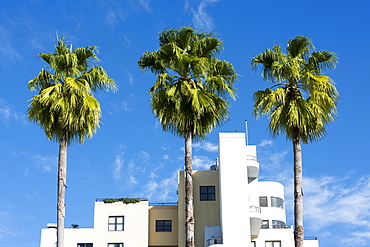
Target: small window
278	224
265	224
207	193
277	202
163	225
263	201
115	223
115	245
273	244
84	245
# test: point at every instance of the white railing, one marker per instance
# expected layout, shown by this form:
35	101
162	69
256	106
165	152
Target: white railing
255	209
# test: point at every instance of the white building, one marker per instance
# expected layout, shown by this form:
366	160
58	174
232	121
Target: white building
231	208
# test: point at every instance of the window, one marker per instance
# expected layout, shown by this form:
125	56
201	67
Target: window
265	224
115	245
207	193
278	224
263	201
163	225
115	223
277	202
84	245
273	244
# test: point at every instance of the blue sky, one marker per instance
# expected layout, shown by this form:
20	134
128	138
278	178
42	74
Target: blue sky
131	156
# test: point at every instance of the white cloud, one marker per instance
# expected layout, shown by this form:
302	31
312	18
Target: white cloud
8	114
8	53
202	162
206	146
201	19
132	180
265	143
160	190
145	5
117	167
329	201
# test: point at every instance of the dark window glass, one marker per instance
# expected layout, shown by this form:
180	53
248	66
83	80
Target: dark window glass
115	245
207	193
115	223
263	201
163	225
277	202
278	224
264	224
84	245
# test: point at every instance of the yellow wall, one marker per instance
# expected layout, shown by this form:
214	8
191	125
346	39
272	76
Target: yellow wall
161	239
206	213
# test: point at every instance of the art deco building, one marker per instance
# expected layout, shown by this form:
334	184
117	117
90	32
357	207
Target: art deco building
231	208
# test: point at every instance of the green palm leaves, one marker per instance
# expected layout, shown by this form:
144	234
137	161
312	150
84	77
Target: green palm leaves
191	88
302	100
65	103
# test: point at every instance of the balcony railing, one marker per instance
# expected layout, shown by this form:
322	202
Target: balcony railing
252	157
213	241
255	209
275	226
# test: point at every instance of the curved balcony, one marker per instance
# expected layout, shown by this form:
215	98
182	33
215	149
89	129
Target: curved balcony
253	166
255	221
214	242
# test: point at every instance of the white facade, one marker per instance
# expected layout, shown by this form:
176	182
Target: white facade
251	212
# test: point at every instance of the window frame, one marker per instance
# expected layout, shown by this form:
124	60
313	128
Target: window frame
163	227
116	223
277	202
85	244
265	200
207	195
265	226
115	245
274	243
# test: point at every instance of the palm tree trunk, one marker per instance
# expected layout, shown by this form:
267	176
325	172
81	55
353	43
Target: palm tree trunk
298	192
62	176
189	204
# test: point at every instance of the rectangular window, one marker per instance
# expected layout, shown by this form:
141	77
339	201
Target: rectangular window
278	224
277	202
265	224
273	244
207	193
163	225
84	245
263	201
115	245
115	223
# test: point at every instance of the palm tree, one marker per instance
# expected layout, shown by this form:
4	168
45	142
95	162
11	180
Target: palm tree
300	103
189	96
65	107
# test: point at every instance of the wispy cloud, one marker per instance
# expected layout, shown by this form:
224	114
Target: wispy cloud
328	201
202	162
201	19
117	166
206	146
160	190
8	114
8	53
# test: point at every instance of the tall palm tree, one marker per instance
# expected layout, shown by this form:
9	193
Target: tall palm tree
189	95
65	107
300	103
